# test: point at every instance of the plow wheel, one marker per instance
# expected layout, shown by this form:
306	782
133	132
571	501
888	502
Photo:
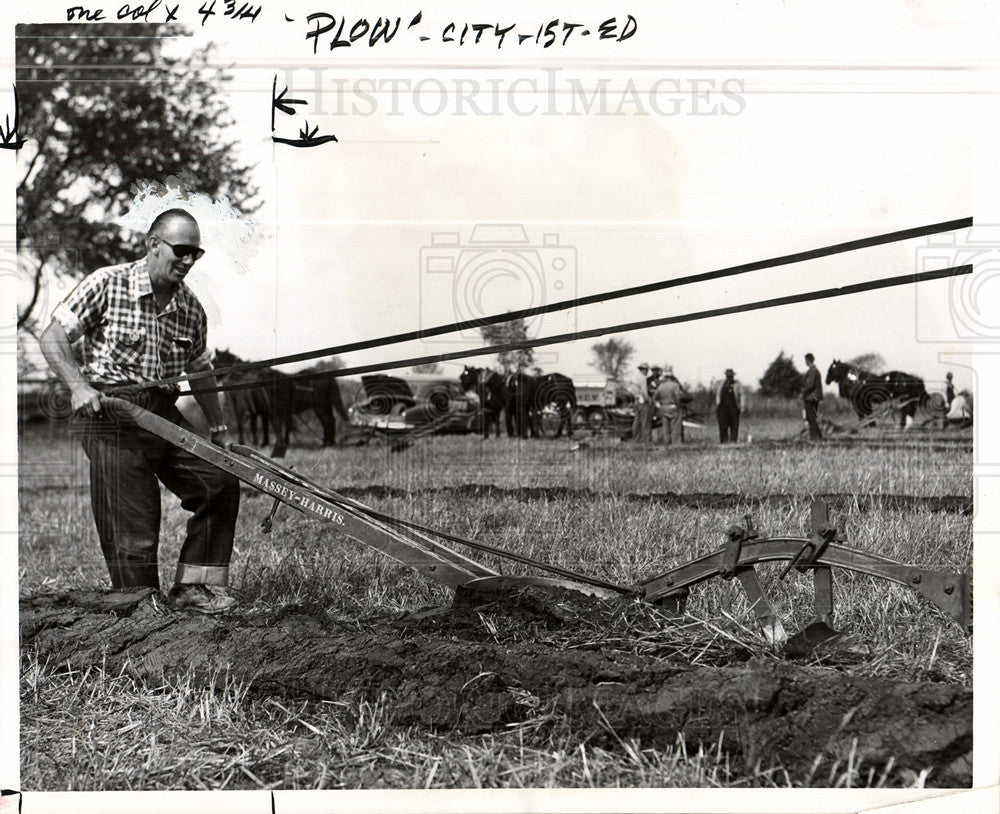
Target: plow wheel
884	415
818	553
597	418
550	422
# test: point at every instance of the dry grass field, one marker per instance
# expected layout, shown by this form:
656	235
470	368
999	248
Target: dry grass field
608	509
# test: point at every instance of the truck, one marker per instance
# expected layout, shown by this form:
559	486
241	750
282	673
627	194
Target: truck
606	407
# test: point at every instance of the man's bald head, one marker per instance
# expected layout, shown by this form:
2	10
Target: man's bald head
166	219
173	245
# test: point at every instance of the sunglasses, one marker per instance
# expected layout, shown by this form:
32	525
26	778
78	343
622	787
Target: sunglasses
182	250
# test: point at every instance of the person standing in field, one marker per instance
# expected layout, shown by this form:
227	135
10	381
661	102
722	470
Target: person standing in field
643	421
669	400
812	395
728	406
140	323
949	397
652	382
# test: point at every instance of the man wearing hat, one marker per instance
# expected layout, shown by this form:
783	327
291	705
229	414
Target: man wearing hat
669	398
728	406
643	422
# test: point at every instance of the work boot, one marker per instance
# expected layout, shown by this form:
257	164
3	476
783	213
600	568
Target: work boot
197	597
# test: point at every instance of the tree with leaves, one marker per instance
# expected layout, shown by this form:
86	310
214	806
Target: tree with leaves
612	357
104	107
781	378
427	367
872	362
514	331
325	365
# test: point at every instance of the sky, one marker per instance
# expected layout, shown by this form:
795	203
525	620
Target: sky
772	165
616	164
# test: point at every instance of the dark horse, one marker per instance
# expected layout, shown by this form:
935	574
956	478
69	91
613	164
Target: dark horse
251	406
556	393
868	391
491	389
529	398
277	398
521	405
290	397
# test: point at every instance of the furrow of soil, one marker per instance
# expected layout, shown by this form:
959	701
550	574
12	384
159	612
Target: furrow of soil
441	677
951	504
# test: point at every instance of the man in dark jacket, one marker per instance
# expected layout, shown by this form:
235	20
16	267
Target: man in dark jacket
728	406
812	395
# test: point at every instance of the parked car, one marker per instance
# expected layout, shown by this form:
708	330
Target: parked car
394	404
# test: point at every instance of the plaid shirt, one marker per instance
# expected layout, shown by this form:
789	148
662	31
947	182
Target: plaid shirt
127	338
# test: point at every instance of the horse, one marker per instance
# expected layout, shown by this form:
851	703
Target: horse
278	398
521	388
868	391
555	392
528	397
491	389
250	406
290	397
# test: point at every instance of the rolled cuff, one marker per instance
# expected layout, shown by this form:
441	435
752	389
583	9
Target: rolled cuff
202	574
70	322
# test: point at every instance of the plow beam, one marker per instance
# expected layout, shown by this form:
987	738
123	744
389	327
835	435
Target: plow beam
948	590
434	561
415	546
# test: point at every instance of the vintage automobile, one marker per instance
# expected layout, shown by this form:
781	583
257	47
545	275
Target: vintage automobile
425	403
610	406
610	409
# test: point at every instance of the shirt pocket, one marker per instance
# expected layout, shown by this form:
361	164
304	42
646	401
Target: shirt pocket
178	351
126	345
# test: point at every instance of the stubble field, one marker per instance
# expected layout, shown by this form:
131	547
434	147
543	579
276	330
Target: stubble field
345	669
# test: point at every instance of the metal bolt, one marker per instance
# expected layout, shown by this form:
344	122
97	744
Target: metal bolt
916	579
949	588
669	580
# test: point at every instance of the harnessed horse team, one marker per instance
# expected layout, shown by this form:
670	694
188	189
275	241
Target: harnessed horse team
526	401
275	401
870	392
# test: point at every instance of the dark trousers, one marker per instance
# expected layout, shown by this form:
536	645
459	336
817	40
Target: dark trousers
127	465
812	418
729	424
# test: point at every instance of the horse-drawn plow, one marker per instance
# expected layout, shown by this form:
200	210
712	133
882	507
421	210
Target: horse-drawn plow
883	415
424	549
